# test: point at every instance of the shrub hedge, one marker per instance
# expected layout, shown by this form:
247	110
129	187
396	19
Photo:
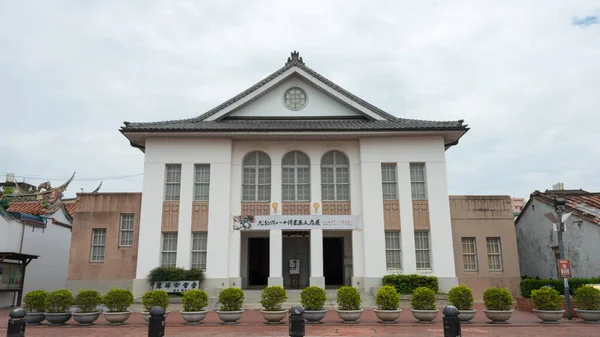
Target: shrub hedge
161	274
527	285
406	284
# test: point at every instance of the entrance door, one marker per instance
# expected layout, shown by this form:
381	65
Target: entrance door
258	261
333	261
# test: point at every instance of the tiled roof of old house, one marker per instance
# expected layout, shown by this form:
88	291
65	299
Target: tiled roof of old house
583	204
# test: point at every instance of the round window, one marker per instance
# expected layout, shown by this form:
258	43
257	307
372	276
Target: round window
295	98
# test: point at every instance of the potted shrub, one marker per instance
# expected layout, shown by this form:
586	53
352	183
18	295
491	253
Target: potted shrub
588	303
497	304
313	299
35	305
547	304
117	302
388	301
87	301
271	299
462	298
152	299
194	303
58	304
348	300
231	300
423	302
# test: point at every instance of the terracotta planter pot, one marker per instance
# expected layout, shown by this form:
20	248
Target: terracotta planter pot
193	317
388	316
59	318
498	316
314	316
273	317
146	315
349	316
87	318
35	318
465	316
117	318
589	316
230	317
425	316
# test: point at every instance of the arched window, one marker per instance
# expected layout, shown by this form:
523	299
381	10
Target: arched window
335	177
256	184
295	177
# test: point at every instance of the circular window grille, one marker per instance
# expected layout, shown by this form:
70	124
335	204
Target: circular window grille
295	98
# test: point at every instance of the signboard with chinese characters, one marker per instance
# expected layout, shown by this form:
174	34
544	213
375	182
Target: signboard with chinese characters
564	268
294	266
296	222
176	286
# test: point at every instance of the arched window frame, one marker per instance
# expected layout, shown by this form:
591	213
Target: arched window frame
295	177
335	177
256	177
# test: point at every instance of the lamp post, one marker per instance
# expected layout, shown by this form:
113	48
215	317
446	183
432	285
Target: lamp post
559	207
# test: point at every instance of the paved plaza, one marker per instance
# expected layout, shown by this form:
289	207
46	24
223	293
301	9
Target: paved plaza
252	324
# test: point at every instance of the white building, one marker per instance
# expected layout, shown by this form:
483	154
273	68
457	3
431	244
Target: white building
336	186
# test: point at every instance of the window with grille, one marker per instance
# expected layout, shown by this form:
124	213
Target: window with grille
417	181
98	244
335	179
172	182
422	250
389	181
256	183
201	182
393	257
199	250
295	180
494	254
169	249
126	231
469	249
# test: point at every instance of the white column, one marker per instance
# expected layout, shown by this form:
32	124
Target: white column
407	228
373	228
315	188
276	185
358	261
442	251
150	224
235	237
219	224
184	229
316	258
275	257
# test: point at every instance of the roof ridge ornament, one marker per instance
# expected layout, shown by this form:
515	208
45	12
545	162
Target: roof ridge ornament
295	59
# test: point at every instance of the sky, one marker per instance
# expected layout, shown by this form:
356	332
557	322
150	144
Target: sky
524	75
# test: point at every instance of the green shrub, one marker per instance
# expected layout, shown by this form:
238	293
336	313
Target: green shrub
406	284
118	300
59	300
546	298
387	298
231	299
423	299
162	274
313	298
461	297
588	298
35	301
528	285
272	298
155	298
88	300
194	300
497	299
348	298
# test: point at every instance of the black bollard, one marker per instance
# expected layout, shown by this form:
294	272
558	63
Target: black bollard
156	322
17	321
297	321
451	322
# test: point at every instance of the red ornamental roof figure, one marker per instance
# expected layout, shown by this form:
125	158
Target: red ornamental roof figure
45	195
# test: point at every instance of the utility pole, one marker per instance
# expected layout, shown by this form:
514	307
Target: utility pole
559	207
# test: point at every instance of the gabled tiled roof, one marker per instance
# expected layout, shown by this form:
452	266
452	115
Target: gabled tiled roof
199	124
583	204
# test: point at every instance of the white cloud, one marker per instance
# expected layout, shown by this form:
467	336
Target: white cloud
520	74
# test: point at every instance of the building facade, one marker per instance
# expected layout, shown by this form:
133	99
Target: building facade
538	242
